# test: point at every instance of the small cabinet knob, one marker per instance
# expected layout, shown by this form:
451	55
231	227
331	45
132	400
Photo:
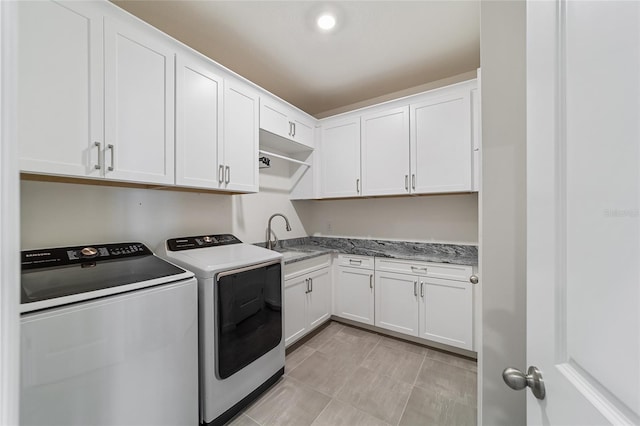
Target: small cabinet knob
473	279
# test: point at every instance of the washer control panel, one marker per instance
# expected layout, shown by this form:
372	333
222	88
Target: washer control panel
201	241
60	256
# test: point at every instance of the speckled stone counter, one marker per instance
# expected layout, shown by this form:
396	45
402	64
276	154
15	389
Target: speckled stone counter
428	252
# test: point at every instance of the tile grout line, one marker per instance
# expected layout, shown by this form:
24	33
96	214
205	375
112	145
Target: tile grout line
424	357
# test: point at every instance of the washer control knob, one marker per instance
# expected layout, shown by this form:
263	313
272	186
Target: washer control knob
89	252
207	239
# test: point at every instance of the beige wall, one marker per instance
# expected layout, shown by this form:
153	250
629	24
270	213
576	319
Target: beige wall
440	218
55	214
503	208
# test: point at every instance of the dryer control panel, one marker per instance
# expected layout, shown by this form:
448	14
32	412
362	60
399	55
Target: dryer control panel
201	241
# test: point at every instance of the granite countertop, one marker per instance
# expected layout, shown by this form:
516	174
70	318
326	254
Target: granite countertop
298	249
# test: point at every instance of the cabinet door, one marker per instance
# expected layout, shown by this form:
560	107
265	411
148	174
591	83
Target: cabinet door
302	131
441	150
396	299
319	307
274	118
354	295
295	309
241	128
139	104
446	312
60	88
385	152
198	123
340	158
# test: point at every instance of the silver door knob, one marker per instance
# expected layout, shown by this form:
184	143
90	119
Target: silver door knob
473	279
517	380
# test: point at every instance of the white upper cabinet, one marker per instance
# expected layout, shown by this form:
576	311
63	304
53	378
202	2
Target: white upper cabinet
340	158
385	152
199	112
240	143
441	149
60	86
283	121
139	104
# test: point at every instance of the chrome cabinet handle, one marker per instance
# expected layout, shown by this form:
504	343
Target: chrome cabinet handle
413	181
422	289
371	281
113	154
293	124
290	129
220	173
355	261
307	282
358	186
473	279
415	288
311	282
227	174
406	182
100	159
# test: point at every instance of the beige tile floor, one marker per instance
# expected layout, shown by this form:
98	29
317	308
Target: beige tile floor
348	376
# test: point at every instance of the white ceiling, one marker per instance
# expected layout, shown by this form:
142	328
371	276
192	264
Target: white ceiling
379	47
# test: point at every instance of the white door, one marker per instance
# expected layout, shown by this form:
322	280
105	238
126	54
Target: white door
446	312
319	297
241	128
274	119
198	123
340	158
385	152
396	299
441	146
354	294
139	104
60	107
583	211
295	308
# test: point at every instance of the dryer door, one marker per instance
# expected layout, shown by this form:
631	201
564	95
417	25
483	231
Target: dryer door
249	315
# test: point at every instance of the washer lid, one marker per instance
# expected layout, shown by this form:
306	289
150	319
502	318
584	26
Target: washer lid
57	276
206	262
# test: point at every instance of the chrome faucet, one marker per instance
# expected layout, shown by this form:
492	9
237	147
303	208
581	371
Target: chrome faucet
270	244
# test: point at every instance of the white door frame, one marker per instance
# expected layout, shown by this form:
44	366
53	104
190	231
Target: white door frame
9	223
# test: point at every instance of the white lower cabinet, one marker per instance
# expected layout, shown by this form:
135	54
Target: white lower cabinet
354	289
430	301
307	297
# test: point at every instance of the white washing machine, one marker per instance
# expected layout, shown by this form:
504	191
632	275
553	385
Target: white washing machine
240	319
109	336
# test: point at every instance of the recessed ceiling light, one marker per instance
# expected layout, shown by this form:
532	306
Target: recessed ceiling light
326	22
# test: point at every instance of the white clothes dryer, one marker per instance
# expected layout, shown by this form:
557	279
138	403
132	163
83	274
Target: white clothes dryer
240	289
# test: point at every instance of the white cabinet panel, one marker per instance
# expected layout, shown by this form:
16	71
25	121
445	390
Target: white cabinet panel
446	312
307	301
198	123
441	151
139	105
385	152
397	302
240	144
340	158
295	307
274	119
282	120
319	305
60	86
354	294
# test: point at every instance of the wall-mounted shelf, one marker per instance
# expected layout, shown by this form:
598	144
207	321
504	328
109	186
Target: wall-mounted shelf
282	157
